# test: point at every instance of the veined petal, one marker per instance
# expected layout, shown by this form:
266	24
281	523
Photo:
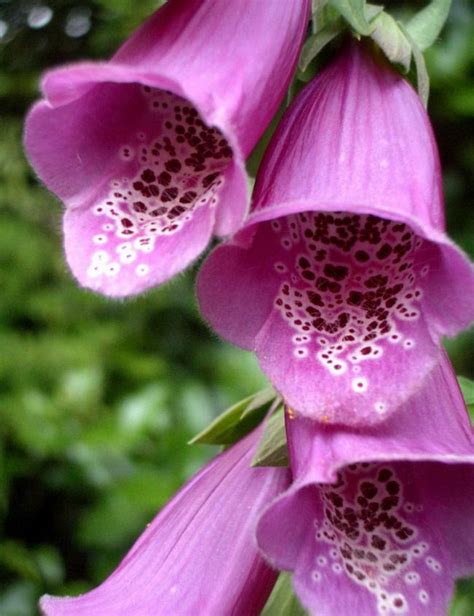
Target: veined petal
379	520
181	101
197	557
352	277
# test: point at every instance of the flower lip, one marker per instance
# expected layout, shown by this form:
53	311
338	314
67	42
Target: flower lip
374	515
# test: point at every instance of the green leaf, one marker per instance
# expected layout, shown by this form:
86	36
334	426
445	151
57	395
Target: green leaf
272	449
282	601
237	421
467	388
425	26
390	38
261	398
354	13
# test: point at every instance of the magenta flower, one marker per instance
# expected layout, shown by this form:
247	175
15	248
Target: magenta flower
198	556
343	279
147	151
379	521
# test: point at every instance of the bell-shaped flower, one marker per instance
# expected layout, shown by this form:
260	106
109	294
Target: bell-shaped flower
147	150
198	556
343	279
379	521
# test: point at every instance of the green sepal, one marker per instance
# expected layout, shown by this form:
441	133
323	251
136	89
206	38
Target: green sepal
238	420
328	22
283	601
467	388
425	26
272	449
354	12
422	77
391	40
371	11
317	5
316	42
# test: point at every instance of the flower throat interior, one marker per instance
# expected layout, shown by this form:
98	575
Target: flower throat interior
174	175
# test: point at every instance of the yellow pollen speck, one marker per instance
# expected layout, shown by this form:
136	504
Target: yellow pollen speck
291	412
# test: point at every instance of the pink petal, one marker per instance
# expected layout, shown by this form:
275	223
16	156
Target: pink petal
197	556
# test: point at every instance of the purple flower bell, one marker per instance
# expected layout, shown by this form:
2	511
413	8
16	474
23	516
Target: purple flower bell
147	150
379	521
343	279
198	556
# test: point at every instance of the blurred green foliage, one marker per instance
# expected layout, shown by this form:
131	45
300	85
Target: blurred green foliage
98	398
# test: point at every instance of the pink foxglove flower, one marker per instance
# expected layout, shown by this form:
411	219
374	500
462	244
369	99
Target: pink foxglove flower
379	521
343	280
198	556
147	150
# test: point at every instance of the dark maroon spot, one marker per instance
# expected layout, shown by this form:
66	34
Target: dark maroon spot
337	272
384	251
384	474
173	165
139	206
389	502
378	543
188	197
355	298
376	281
393	487
362	256
368	489
148	176
169	194
404	533
336	499
315	298
207	181
164	178
176	211
126	222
